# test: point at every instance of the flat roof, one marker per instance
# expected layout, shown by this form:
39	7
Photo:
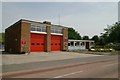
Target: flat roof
70	40
36	23
32	21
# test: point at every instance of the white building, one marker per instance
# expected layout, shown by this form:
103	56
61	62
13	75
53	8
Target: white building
80	44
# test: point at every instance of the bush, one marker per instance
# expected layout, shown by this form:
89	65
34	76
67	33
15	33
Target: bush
116	46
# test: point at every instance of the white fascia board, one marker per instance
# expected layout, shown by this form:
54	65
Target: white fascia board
56	34
80	40
38	32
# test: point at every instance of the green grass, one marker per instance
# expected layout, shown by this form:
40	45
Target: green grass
98	53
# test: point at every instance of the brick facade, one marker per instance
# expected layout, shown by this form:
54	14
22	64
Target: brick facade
48	41
65	39
17	36
25	37
13	37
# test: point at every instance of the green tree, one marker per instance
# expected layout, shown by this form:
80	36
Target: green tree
2	37
85	37
112	33
96	39
72	34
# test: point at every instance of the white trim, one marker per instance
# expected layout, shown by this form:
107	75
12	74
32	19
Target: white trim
44	33
38	32
80	40
56	34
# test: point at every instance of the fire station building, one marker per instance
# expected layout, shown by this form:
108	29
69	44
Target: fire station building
31	36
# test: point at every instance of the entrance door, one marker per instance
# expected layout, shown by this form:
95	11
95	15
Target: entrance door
87	45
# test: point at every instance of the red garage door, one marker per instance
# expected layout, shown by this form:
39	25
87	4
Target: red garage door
38	42
56	43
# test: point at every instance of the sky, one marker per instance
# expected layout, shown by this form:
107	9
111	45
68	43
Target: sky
88	18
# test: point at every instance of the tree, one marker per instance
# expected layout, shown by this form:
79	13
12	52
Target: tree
96	39
2	37
85	37
72	34
112	33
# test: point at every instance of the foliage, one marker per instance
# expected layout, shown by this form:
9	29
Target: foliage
96	39
112	33
110	37
72	34
85	37
2	37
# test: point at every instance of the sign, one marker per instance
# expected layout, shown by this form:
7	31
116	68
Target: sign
65	43
23	41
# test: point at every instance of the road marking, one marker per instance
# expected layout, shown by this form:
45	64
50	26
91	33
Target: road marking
68	74
109	65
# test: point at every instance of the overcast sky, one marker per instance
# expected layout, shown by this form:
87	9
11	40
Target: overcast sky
88	18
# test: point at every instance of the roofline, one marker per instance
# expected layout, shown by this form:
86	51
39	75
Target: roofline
26	20
42	23
81	40
31	21
59	25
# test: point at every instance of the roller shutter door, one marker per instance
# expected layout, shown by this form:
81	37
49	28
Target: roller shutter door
38	42
56	43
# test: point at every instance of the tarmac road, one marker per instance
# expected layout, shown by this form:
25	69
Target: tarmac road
94	67
107	69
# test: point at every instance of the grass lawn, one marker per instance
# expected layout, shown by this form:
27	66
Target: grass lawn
99	53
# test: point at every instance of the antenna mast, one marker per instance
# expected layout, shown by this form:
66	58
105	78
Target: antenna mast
59	19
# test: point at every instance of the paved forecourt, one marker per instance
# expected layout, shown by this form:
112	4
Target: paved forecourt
41	56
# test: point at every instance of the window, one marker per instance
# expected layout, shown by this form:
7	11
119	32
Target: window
56	31
43	29
72	43
42	43
83	43
38	28
68	44
37	44
52	30
92	43
32	44
60	31
33	29
55	43
77	44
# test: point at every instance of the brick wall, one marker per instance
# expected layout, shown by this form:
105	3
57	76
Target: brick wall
25	37
20	31
12	38
48	39
65	39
